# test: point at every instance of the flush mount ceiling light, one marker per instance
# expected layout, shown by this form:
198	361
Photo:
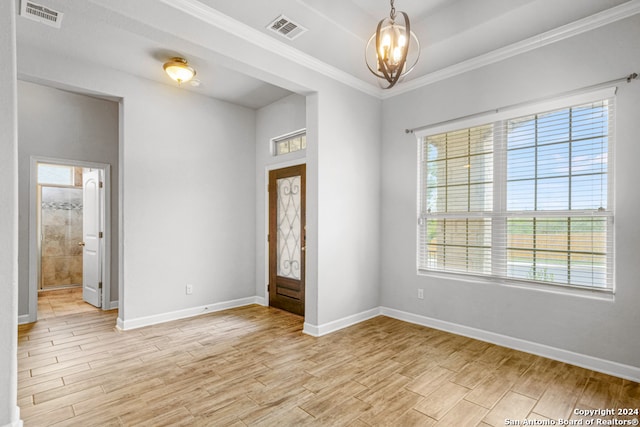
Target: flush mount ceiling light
179	70
393	50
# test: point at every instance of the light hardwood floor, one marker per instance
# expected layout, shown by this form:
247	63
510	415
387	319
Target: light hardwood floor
62	302
253	366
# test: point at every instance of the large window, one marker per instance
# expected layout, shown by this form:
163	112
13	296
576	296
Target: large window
522	197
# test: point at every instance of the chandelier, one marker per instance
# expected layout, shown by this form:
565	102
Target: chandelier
396	49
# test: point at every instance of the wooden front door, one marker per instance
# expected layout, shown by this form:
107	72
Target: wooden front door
287	238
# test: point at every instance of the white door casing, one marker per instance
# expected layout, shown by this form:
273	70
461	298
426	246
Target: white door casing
104	220
91	232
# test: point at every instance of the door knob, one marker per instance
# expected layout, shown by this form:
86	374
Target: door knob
80	243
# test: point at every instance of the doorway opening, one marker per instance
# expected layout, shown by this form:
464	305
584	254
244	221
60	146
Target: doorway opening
59	226
69	237
59	218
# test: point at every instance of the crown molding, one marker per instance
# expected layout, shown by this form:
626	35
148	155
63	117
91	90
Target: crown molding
226	23
575	28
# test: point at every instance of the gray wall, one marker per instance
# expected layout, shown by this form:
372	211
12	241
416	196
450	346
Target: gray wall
187	188
282	117
189	200
597	328
343	198
348	204
9	411
64	125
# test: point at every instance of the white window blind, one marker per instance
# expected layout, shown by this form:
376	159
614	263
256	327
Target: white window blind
526	198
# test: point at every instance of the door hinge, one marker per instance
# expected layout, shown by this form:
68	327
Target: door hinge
100	235
268	288
268	237
99	285
100	185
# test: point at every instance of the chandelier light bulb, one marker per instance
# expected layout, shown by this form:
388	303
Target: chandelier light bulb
385	46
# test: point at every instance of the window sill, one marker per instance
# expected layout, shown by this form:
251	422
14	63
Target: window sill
597	294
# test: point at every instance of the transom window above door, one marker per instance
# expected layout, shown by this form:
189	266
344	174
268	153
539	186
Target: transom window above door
56	174
290	143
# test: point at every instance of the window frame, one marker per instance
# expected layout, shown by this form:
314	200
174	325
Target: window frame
499	212
41	171
288	137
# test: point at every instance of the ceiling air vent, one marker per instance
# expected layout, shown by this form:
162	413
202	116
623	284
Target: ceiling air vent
286	27
40	13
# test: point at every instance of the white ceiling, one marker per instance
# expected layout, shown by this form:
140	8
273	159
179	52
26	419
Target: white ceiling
451	33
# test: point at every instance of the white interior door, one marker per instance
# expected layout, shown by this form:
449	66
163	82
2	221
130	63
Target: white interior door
91	232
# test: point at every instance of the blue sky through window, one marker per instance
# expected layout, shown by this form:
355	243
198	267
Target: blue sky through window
558	160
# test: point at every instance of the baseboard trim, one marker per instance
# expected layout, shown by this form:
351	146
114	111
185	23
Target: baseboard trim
23	319
631	373
589	362
16	416
327	328
113	305
155	319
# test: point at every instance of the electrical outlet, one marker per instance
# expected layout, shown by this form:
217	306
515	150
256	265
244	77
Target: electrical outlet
189	289
420	293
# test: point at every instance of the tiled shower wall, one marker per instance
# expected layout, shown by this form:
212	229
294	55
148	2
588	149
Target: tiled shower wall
61	230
